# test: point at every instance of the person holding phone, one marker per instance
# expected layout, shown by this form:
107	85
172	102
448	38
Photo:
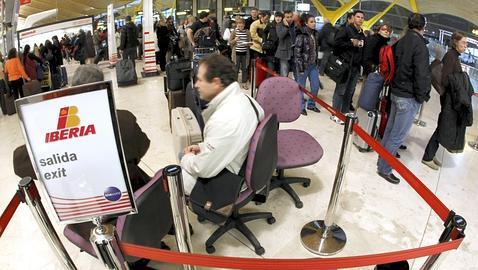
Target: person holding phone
240	40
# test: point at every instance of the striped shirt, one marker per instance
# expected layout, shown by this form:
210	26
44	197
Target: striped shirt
241	45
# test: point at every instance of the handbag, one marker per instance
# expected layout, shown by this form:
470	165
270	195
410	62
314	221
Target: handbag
336	68
214	198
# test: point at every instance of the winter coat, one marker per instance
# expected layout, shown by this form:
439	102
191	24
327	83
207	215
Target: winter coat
90	48
257	28
371	52
306	49
233	43
270	33
324	34
412	77
129	36
344	47
456	113
162	32
284	49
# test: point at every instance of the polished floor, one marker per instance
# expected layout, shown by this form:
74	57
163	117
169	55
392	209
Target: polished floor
376	216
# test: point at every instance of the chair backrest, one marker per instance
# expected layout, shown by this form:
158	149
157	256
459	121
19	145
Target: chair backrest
280	96
262	156
153	220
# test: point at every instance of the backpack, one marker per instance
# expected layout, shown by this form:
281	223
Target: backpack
270	41
205	37
386	64
436	67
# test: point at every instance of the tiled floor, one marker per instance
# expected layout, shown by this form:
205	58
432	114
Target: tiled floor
377	216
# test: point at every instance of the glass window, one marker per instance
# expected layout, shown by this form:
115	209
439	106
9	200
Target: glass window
183	9
207	5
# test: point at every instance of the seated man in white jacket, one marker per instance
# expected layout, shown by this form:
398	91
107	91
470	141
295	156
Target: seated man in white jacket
230	121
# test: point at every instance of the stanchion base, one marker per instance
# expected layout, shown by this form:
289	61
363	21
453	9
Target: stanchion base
149	73
473	145
313	239
420	123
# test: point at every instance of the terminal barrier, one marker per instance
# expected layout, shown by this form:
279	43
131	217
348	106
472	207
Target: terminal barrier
451	238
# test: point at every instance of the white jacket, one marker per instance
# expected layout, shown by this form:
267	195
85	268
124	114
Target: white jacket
230	122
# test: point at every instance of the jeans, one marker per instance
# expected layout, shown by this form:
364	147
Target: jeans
323	62
242	65
286	66
344	92
400	121
312	73
432	147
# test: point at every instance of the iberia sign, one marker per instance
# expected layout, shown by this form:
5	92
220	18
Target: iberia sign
73	139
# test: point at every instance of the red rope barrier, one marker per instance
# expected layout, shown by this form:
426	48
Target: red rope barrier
8	213
432	200
310	263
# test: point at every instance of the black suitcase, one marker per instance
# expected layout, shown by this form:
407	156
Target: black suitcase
370	122
126	72
194	103
177	74
10	104
3	91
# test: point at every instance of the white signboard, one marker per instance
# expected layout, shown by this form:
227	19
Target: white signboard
303	7
73	139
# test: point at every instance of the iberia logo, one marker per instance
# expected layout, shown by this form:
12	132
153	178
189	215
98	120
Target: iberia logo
69	126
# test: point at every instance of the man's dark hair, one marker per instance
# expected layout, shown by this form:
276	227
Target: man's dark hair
254	8
358	11
417	21
287	11
203	15
128	18
349	15
219	66
279	14
264	13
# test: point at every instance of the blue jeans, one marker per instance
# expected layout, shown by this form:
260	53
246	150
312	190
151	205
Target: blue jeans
312	73
344	92
286	66
400	121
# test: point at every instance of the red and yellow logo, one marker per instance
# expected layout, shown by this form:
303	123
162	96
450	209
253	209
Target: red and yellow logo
69	126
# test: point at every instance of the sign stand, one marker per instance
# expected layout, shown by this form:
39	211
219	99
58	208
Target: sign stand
29	194
324	237
103	239
112	46
149	68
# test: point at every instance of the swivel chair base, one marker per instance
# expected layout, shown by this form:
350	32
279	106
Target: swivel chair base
237	221
284	183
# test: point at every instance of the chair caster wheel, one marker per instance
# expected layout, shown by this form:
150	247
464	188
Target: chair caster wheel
201	219
306	184
271	220
258	203
299	204
260	251
210	249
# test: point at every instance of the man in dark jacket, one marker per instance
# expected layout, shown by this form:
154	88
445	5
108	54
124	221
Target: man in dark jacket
129	40
286	36
349	42
254	17
410	87
326	38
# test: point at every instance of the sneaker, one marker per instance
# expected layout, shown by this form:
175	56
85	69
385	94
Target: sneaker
337	120
437	162
431	164
315	109
397	155
403	147
304	112
389	177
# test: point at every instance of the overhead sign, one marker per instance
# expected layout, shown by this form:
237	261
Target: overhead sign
303	7
73	138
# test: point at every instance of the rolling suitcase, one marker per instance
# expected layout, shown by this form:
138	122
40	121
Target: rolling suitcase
370	122
31	88
10	104
177	74
185	129
126	72
3	91
370	95
175	99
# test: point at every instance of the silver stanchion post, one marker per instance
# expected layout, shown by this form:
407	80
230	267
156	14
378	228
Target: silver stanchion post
453	224
253	77
474	144
30	195
419	122
324	237
179	209
103	239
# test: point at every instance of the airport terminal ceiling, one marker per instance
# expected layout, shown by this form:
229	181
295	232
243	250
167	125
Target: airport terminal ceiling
466	9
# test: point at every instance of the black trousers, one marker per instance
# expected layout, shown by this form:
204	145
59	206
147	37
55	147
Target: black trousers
432	147
16	88
162	57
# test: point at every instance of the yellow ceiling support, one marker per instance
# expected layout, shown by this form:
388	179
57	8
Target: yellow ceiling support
368	23
413	5
334	15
